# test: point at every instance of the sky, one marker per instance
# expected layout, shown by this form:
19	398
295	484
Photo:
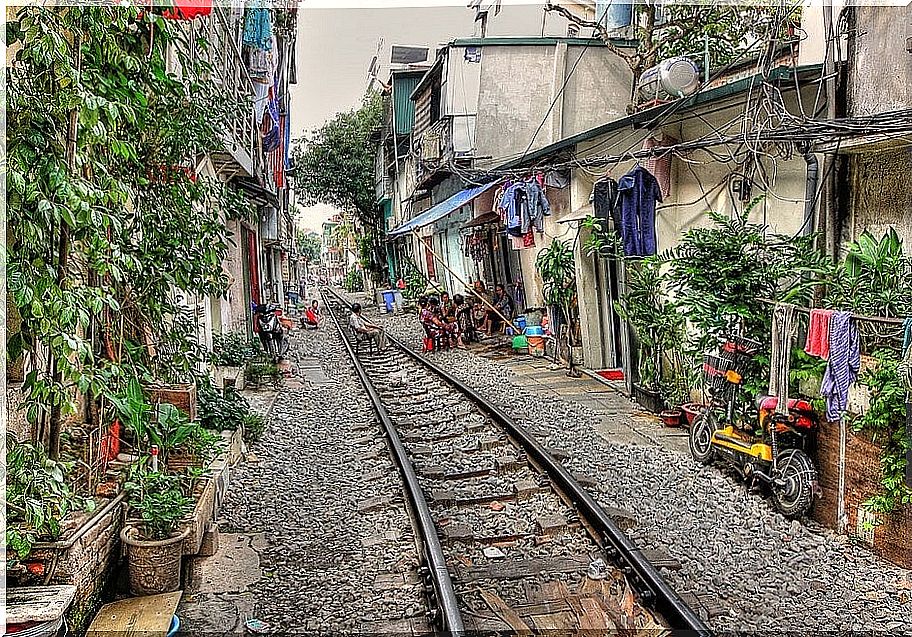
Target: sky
336	44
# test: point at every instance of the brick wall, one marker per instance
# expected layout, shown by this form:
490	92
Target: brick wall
893	537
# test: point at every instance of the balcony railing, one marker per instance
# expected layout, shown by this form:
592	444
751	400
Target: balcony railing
223	31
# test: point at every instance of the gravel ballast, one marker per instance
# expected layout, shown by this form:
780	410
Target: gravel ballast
766	572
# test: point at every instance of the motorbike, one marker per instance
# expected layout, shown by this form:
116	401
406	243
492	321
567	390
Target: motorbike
271	331
762	445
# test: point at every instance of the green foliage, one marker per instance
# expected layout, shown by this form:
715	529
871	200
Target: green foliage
37	496
884	421
556	266
659	328
415	281
108	233
354	281
262	370
220	411
874	278
159	499
600	241
721	275
254	426
309	246
335	166
232	350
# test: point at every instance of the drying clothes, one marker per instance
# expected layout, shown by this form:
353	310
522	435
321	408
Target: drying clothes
845	360
538	207
781	354
818	336
528	240
660	166
513	204
605	201
258	29
638	193
260	98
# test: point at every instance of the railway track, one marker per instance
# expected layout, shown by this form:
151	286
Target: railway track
510	540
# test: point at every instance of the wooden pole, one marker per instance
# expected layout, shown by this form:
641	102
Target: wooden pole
427	247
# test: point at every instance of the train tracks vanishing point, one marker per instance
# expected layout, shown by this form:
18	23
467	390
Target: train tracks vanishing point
510	541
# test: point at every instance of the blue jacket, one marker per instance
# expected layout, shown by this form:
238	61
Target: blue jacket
638	192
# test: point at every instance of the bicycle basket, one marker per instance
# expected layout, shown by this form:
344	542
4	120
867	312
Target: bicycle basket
740	345
721	373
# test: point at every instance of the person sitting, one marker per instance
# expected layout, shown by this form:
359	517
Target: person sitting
447	307
438	325
503	303
465	322
312	316
364	327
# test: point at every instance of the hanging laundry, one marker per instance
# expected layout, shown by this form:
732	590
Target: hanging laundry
538	207
188	9
638	193
844	363
818	336
258	29
660	166
528	240
515	206
781	354
605	201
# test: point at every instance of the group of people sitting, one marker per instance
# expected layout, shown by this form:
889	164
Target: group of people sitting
464	319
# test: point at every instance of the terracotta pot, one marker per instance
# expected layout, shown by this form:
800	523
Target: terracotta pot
691	410
154	565
671	418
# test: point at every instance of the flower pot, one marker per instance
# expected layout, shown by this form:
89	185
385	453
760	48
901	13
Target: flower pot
671	418
691	410
154	565
648	399
228	375
181	396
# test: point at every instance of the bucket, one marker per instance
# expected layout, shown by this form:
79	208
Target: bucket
175	626
534	330
520	342
520	322
536	345
389	297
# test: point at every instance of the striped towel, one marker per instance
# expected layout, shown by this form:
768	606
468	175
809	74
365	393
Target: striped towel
845	360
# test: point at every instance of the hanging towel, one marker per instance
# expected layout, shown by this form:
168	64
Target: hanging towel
818	336
845	360
781	354
258	29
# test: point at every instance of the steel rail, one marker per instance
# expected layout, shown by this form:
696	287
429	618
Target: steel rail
448	607
653	588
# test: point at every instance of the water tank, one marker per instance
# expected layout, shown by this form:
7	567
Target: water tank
613	15
672	78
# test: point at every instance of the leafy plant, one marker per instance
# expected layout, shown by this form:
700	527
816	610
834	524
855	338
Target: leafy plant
885	421
874	277
37	496
721	277
353	281
232	350
254	426
159	500
659	329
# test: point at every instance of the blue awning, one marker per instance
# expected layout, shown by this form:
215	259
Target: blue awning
439	211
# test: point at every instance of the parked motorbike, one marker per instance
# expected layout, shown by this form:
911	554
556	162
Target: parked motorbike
763	446
271	331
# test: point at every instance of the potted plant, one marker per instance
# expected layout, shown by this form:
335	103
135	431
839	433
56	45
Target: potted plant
230	354
154	545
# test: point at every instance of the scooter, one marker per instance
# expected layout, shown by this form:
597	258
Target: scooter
272	334
767	447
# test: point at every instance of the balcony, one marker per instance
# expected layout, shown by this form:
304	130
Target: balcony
223	30
449	140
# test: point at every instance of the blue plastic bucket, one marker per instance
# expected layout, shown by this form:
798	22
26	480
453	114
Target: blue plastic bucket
389	297
535	330
175	626
520	322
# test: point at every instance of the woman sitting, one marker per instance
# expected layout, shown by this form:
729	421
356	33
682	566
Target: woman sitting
447	308
503	303
437	324
465	322
312	316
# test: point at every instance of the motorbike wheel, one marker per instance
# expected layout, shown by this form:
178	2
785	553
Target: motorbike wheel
700	438
793	488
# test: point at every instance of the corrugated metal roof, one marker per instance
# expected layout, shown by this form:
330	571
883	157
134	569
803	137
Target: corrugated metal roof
402	103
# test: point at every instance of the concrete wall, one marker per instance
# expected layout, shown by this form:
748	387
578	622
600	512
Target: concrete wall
881	195
519	83
880	67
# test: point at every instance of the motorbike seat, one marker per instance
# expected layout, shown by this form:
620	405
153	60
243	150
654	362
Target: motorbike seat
796	404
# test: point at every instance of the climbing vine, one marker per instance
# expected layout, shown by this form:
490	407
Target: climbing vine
112	234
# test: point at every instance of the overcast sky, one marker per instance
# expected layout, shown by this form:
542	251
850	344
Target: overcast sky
335	47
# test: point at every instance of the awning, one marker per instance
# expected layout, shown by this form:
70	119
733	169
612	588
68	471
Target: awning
442	209
482	220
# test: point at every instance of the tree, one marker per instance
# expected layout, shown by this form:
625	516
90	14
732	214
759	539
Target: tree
730	29
309	246
335	166
108	224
